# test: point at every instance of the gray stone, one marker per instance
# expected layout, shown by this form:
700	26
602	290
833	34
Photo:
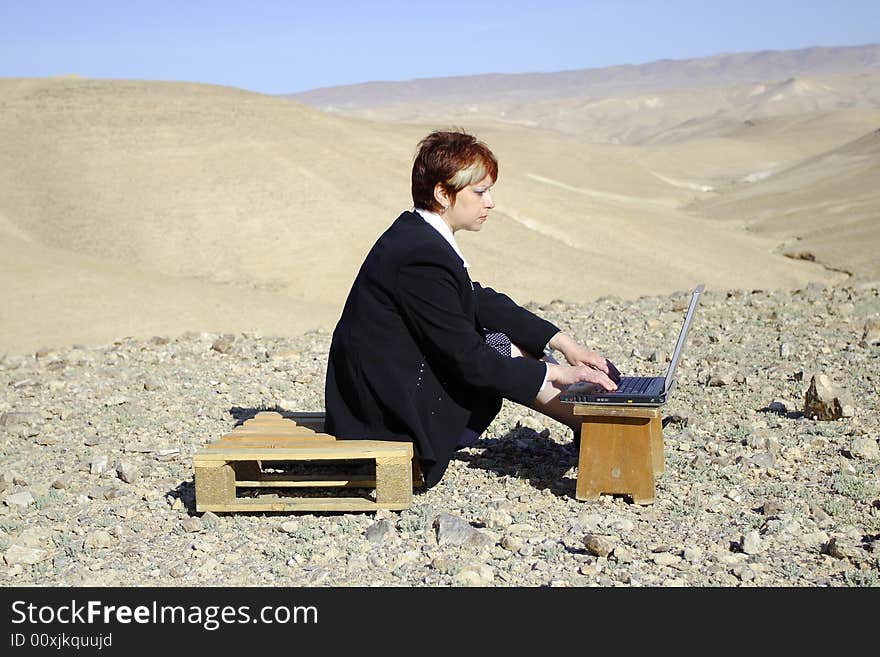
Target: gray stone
127	471
192	525
771	508
623	554
826	401
19	501
600	546
666	559
452	530
497	519
19	554
99	539
99	464
871	332
751	543
223	344
379	532
720	377
512	542
210	520
865	448
475	575
764	459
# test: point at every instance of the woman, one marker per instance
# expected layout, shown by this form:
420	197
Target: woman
422	353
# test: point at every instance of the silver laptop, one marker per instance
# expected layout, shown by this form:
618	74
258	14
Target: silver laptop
636	390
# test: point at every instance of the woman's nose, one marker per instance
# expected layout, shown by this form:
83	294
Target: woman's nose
488	201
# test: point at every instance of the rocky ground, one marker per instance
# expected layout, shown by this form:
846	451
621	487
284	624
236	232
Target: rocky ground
96	471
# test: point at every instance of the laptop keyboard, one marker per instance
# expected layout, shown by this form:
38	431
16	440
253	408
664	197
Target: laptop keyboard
635	384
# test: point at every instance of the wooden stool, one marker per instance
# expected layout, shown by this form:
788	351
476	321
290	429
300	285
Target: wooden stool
621	451
242	459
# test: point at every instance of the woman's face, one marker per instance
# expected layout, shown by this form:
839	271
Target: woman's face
472	205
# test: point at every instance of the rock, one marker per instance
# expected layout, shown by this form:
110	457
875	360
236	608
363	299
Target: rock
512	542
18	554
452	530
600	546
721	377
666	559
127	471
764	460
871	332
622	525
751	543
223	344
210	520
841	549
19	501
623	554
18	422
474	575
771	508
814	539
379	532
99	464
289	526
826	401
192	525
497	519
99	539
692	554
865	448
784	350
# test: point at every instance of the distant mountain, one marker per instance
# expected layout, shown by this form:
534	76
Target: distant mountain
662	75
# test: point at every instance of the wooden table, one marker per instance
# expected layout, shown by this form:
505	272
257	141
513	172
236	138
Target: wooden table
621	451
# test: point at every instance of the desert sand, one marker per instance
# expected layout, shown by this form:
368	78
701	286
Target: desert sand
141	208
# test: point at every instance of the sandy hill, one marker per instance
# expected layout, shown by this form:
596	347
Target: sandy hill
137	208
664	75
826	207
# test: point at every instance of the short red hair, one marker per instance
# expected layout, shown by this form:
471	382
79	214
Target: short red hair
452	159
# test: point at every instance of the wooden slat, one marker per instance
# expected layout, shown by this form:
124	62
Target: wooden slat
340	449
300	504
273	431
273	442
615	411
278	436
306	481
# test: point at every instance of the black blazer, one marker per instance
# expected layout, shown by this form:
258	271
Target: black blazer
408	360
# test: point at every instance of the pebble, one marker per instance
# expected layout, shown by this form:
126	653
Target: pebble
99	539
601	546
192	525
865	448
452	530
751	543
19	501
99	464
21	555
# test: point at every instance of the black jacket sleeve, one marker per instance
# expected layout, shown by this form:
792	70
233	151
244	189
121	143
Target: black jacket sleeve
498	312
430	298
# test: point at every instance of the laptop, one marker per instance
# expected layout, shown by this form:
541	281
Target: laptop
636	390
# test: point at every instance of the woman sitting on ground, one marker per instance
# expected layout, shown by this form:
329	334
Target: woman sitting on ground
422	353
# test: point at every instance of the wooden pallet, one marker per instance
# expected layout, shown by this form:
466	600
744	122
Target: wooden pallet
252	468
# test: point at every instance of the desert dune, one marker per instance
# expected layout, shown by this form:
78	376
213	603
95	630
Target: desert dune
136	208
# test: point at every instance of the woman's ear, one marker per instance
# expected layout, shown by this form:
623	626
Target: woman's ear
441	196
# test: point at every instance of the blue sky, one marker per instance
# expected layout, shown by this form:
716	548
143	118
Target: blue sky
279	47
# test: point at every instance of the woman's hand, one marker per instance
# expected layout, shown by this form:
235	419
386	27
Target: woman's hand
575	354
565	375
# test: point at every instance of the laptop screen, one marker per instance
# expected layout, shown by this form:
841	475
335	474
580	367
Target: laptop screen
670	373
